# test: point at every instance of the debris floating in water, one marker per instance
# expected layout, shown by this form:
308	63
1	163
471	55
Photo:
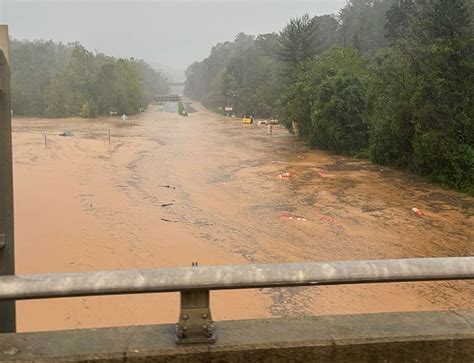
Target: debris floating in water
167	186
419	212
284	176
66	134
293	218
330	220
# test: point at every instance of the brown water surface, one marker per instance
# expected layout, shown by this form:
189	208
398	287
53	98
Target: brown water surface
84	205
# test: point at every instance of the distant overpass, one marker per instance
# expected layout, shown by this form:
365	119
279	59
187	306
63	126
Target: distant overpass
175	93
171	98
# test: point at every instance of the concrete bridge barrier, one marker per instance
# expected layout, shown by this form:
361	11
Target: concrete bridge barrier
446	336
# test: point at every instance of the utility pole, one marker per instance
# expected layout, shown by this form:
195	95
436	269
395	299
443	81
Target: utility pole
7	255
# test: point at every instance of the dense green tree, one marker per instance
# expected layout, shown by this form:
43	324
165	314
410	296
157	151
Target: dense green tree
242	73
67	80
251	82
362	25
297	41
430	123
33	65
153	82
73	95
399	18
267	44
389	99
327	33
200	75
256	74
444	138
339	115
328	102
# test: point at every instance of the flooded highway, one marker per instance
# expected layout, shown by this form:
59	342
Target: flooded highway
170	190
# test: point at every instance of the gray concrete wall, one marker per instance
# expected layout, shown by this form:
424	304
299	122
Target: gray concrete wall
391	337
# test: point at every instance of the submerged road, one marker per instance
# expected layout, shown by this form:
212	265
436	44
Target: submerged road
169	190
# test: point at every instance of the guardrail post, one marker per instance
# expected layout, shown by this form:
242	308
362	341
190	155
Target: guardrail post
195	324
7	257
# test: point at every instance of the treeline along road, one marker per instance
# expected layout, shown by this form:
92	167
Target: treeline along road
64	80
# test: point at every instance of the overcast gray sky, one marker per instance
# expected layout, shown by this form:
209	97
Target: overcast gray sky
168	34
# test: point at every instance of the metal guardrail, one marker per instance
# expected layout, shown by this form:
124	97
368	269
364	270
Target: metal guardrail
194	283
234	277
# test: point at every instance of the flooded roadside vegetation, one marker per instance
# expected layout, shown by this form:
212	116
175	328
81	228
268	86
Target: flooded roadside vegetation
315	140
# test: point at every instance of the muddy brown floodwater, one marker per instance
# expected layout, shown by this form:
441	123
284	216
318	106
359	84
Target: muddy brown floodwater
170	190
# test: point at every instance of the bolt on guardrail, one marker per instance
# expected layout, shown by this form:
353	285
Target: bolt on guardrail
195	324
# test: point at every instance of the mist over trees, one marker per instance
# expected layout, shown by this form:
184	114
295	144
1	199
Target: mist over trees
392	80
57	80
